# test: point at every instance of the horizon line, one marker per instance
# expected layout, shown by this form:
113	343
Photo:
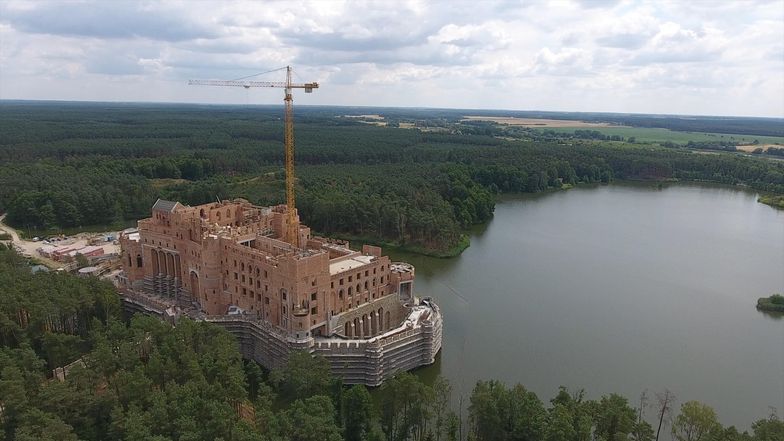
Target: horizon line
389	107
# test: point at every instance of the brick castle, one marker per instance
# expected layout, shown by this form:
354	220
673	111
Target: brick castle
227	262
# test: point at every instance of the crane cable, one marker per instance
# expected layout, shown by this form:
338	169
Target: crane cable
260	73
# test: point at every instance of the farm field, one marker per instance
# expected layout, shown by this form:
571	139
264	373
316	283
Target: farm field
536	122
764	147
644	134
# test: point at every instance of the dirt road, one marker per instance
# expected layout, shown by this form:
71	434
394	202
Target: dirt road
26	247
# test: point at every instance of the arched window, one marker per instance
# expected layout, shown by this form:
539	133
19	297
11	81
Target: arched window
228	213
130	264
340	294
139	260
242	266
201	213
350	290
366	284
359	288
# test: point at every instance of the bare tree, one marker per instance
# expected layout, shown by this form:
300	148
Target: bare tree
665	400
643	404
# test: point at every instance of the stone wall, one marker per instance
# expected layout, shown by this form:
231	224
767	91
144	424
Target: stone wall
390	303
358	361
362	361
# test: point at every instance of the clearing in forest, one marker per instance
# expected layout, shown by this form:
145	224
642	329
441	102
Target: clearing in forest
535	122
751	147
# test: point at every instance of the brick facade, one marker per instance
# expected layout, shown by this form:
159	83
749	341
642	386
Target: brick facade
231	254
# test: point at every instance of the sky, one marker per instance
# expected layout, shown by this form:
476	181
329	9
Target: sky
677	57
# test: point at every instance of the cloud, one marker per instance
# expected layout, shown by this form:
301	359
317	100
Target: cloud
675	44
623	41
109	19
574	55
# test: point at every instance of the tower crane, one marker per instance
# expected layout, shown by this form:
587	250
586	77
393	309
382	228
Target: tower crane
292	235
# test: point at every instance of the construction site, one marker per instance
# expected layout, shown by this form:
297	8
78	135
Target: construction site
98	252
260	273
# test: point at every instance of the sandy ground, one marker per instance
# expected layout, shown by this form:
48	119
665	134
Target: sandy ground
28	247
535	122
365	116
751	148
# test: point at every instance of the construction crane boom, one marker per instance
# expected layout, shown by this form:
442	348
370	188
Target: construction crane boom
292	233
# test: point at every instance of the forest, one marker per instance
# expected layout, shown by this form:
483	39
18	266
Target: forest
96	164
140	379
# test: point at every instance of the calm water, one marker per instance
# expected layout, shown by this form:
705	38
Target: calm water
619	289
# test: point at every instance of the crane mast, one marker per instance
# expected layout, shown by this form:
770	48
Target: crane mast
288	141
292	226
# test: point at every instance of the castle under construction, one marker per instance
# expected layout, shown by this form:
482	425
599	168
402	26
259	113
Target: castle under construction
229	263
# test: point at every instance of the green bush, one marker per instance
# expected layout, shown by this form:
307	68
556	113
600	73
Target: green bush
774	303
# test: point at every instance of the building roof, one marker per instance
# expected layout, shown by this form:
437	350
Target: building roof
163	205
349	264
47	249
88	249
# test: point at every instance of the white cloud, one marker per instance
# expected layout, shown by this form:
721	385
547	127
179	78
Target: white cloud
672	57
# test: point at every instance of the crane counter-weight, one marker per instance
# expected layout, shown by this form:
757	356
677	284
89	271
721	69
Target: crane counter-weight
292	235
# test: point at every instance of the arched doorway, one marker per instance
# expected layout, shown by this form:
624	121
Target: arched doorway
194	281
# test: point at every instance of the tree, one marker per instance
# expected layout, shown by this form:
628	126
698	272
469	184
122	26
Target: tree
696	422
357	413
665	401
484	412
560	424
254	377
642	431
312	419
304	376
81	261
441	414
614	419
579	412
41	426
405	407
526	415
771	429
498	413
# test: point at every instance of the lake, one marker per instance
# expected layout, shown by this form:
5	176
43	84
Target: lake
619	288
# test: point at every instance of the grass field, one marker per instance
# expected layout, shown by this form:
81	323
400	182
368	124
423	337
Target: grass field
160	183
644	134
535	122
